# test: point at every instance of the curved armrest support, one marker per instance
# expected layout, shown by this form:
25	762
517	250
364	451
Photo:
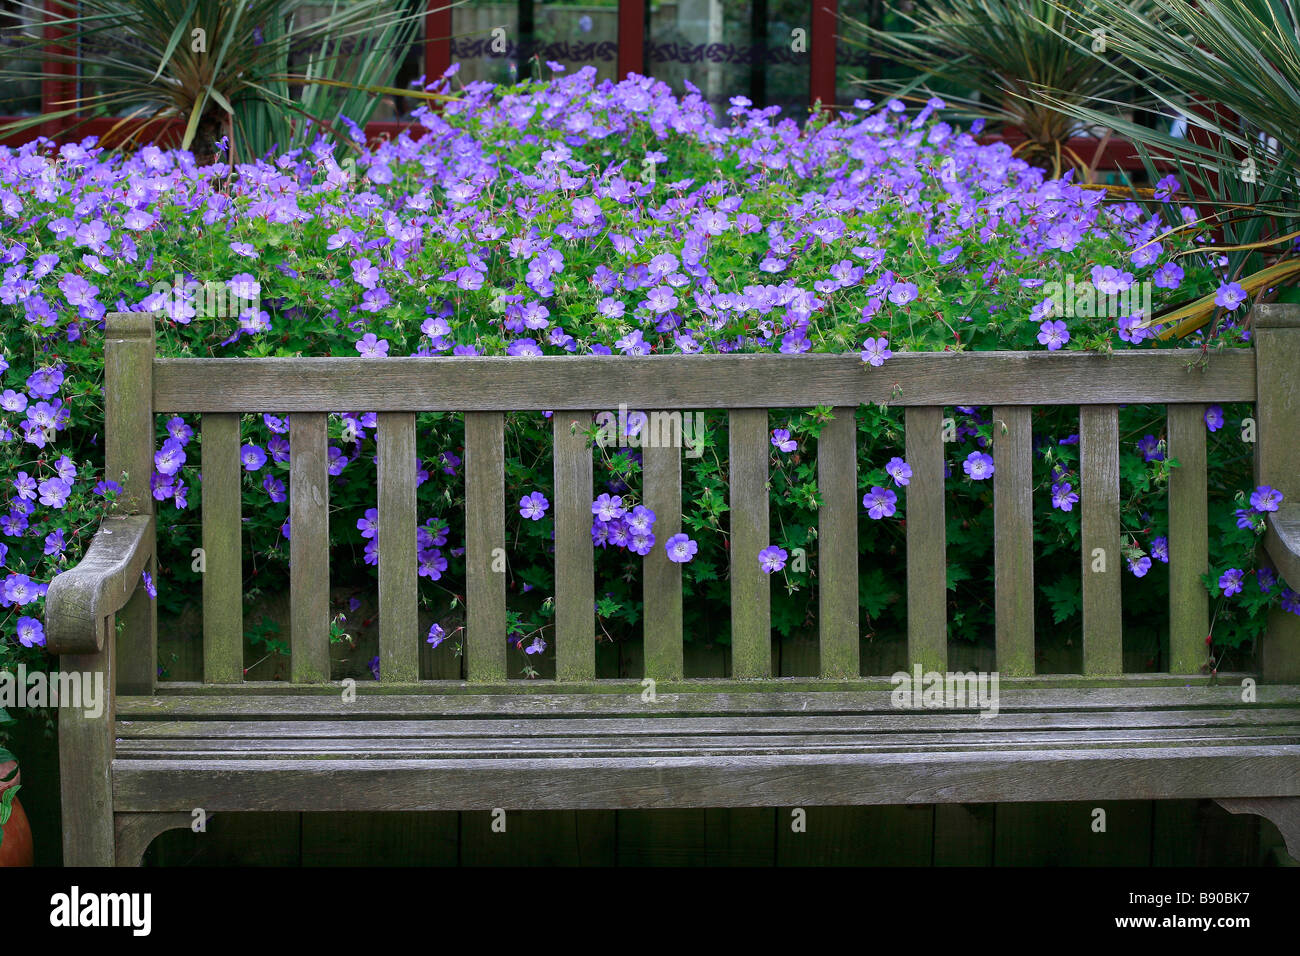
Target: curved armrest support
1282	540
81	598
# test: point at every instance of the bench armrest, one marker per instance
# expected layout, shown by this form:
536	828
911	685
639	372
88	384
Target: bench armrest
80	599
1282	540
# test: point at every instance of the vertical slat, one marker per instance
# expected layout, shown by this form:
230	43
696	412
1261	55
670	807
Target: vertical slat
837	545
223	572
1102	560
661	467
128	456
1013	539
751	591
575	610
485	579
399	649
309	552
1189	541
927	588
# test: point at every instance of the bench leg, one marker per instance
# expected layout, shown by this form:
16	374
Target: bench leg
135	831
1284	812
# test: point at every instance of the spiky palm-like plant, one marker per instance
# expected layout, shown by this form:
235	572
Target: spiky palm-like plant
221	67
1224	74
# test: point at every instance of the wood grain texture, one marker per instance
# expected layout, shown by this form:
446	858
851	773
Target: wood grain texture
399	649
503	383
575	609
661	467
837	545
1277	461
86	764
1284	812
309	549
751	589
223	562
927	587
135	831
128	460
485	539
1100	532
1013	539
80	599
1189	540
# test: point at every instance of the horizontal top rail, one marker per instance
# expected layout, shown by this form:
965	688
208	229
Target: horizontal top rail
749	380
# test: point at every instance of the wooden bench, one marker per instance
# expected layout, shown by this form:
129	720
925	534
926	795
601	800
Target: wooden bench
166	748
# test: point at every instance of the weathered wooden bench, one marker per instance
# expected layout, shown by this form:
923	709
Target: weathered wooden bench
166	748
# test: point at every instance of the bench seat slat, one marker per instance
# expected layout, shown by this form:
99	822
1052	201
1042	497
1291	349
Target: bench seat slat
309	554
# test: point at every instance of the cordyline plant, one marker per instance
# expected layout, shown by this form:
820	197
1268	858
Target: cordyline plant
998	51
1230	71
223	68
570	217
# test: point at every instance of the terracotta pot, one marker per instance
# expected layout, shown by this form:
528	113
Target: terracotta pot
17	847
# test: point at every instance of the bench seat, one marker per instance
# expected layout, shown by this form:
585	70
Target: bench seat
545	750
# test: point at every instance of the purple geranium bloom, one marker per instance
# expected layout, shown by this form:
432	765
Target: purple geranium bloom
149	587
436	635
45	382
640	520
25	486
898	470
1149	446
880	502
534	506
169	459
374	666
525	347
370	346
20	589
30	632
875	351
1053	334
54	492
642	542
1064	497
772	558
1214	418
607	508
369	524
274	488
106	488
1266	578
1246	519
252	457
1230	296
978	465
1265	498
177	429
901	293
1231	580
1291	601
680	548
782	441
1139	565
1160	549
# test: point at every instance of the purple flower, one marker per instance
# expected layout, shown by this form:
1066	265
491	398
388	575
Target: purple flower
1231	581
978	465
1265	498
898	470
534	506
148	584
20	589
45	382
1064	497
1139	565
772	558
1214	418
1247	520
880	502
1149	446
607	508
30	632
1160	549
1053	334
274	488
901	293
875	351
54	492
1266	578
169	459
252	457
374	666
1230	296
369	525
680	548
436	635
371	346
782	441
640	520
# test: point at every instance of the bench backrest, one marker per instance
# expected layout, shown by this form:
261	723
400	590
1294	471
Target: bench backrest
140	385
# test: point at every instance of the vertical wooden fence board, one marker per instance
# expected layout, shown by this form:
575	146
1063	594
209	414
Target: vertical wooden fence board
661	467
309	549
1102	559
837	545
399	653
751	590
223	572
1189	540
927	588
538	838
575	609
394	838
1013	539
485	539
